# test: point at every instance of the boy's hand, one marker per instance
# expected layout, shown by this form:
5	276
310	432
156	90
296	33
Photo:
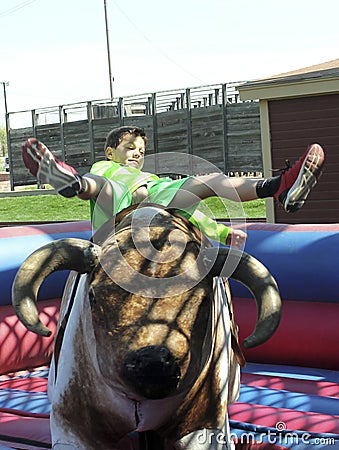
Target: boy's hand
140	195
236	238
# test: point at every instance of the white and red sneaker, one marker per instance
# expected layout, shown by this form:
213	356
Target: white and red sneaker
298	180
43	165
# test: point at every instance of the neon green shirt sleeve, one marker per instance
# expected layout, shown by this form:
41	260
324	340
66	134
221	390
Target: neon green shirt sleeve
209	227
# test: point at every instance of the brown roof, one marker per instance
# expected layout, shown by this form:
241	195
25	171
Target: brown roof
329	66
324	70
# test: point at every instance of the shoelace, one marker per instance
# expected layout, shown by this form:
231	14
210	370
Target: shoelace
282	170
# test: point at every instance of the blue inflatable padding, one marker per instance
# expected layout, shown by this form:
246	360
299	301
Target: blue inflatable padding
38	373
32	402
14	250
304	373
291	400
304	263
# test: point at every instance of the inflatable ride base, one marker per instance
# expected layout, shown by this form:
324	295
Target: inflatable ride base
290	387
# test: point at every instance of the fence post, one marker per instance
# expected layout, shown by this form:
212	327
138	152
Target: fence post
148	111
224	126
9	151
189	130
155	131
34	122
182	100
90	131
34	118
216	95
121	110
62	119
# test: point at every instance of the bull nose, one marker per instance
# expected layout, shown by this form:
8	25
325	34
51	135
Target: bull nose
152	371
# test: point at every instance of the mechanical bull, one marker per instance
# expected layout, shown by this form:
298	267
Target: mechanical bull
145	331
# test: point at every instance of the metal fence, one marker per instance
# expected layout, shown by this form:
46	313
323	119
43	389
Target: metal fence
206	121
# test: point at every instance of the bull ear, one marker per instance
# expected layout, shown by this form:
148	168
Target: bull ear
254	275
63	254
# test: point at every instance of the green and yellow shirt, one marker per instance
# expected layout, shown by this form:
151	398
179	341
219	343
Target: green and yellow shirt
124	180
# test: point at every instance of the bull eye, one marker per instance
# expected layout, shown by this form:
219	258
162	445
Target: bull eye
91	297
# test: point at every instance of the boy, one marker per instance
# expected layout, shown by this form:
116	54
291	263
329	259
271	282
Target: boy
118	182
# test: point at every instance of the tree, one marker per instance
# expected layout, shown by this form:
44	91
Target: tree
3	142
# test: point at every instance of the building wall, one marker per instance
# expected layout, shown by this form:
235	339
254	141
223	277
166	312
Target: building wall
294	124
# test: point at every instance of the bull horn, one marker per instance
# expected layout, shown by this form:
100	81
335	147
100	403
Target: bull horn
63	254
255	276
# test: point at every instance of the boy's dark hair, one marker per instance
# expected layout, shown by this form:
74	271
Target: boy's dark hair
115	136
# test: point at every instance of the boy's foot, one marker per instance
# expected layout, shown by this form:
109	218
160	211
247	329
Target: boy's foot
43	165
298	180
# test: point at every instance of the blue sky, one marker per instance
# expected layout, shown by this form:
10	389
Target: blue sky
54	51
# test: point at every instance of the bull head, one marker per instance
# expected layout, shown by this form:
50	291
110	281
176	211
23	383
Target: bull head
83	257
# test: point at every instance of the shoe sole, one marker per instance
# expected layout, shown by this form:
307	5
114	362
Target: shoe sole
48	171
306	180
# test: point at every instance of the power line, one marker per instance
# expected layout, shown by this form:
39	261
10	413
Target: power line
16	8
165	55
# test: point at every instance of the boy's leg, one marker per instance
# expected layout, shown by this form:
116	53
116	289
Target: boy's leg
291	188
49	170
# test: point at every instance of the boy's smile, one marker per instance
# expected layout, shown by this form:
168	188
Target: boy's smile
130	151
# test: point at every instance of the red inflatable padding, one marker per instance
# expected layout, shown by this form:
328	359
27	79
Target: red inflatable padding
308	334
33	384
268	416
46	228
24	432
310	387
22	349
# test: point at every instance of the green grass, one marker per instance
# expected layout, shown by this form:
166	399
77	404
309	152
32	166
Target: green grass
56	208
47	208
222	208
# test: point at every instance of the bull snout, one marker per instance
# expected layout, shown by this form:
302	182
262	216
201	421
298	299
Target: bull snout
152	371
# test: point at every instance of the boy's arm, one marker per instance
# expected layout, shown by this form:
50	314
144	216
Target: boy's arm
217	231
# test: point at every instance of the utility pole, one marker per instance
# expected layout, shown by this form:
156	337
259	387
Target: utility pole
4	84
108	53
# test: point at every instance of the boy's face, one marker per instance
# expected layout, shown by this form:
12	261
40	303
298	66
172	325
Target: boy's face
130	151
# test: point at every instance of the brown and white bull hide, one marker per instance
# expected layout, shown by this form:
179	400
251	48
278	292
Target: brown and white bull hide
144	337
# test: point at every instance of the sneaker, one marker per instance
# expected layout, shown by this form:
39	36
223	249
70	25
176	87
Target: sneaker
298	180
43	165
